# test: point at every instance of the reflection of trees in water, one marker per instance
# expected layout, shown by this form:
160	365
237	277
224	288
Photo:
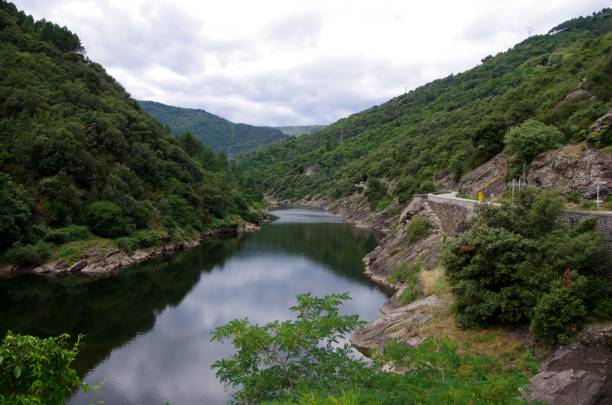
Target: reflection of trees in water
340	247
109	311
113	310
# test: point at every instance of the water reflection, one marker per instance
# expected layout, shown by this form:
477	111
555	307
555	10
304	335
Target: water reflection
148	328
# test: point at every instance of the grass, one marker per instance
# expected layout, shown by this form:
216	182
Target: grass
71	252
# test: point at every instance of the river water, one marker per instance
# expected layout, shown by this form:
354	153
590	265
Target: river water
148	328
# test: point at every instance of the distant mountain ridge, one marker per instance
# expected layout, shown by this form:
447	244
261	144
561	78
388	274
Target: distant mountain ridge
220	134
297	130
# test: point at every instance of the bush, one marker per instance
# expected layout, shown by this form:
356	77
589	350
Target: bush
418	228
530	138
507	267
37	371
106	219
28	255
557	315
66	234
138	240
375	192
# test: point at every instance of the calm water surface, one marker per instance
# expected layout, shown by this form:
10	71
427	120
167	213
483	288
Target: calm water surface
148	328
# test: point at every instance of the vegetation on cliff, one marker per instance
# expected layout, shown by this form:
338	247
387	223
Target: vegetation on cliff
221	135
559	81
78	155
521	263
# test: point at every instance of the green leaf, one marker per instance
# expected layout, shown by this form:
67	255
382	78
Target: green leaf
17	372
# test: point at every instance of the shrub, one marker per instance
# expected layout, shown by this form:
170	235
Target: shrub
37	371
138	240
507	267
530	138
418	228
106	219
375	192
557	315
26	255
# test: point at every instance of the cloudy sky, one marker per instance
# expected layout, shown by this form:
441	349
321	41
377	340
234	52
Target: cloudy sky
295	62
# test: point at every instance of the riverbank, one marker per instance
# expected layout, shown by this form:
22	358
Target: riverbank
100	262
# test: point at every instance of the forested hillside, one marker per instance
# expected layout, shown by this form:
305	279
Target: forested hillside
218	133
561	82
297	130
79	159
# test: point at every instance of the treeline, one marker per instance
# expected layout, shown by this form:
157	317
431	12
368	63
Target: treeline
218	133
452	125
79	156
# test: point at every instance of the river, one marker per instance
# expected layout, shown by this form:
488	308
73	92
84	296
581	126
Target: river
147	329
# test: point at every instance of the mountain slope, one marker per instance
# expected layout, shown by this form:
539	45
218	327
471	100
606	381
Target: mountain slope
451	125
297	130
78	155
218	133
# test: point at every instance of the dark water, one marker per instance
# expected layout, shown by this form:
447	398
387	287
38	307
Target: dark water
148	328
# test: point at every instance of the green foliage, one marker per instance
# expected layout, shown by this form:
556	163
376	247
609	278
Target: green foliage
106	219
218	133
507	267
14	212
297	362
138	240
276	358
418	228
531	138
76	150
559	313
37	371
451	125
375	192
31	254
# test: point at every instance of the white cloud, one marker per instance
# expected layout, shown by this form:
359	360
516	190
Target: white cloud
287	62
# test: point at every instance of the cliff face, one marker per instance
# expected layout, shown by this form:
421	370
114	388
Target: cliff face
572	168
569	169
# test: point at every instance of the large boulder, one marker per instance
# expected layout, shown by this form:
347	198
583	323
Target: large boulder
576	373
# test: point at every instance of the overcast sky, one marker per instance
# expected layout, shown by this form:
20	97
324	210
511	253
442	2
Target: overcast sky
295	62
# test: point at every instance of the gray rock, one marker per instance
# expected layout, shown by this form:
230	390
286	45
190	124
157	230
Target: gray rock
78	266
400	325
604	120
572	168
576	373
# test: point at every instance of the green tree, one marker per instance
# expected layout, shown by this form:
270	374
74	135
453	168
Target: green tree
37	371
531	138
280	356
14	212
509	264
106	219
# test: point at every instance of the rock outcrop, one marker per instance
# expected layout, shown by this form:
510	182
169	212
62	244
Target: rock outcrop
489	177
576	373
601	122
394	248
401	325
572	168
